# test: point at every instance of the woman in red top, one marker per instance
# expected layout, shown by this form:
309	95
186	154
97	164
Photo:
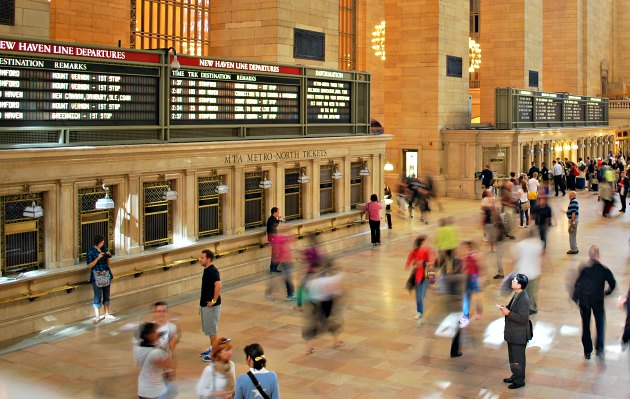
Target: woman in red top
421	257
373	209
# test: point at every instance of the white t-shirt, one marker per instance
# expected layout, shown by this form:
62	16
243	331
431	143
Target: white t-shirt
211	381
170	330
522	195
557	170
527	255
151	378
532	185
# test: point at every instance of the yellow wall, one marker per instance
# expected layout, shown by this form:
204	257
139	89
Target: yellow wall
32	20
562	50
598	41
91	22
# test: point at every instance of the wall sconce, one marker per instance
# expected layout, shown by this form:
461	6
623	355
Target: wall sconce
303	179
558	148
32	211
364	171
388	166
265	183
566	147
174	64
574	146
221	188
169	195
336	173
378	40
104	203
474	55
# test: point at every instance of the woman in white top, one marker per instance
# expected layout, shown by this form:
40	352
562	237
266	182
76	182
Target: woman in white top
153	363
218	378
523	204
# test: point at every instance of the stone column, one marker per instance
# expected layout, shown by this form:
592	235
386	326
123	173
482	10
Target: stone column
66	234
131	207
235	201
310	191
187	189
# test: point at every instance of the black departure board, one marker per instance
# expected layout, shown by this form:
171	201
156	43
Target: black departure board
36	92
328	101
205	98
517	108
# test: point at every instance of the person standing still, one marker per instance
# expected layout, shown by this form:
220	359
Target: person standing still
486	177
588	294
373	209
573	214
272	230
388	207
517	331
210	301
624	185
98	259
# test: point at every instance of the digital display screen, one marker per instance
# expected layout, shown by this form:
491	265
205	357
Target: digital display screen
203	97
37	92
595	111
547	110
328	101
549	107
573	110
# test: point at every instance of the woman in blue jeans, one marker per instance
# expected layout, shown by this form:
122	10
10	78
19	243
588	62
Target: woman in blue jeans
98	259
421	257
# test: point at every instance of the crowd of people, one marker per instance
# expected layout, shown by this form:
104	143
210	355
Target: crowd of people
454	267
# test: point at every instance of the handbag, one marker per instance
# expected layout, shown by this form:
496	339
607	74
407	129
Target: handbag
532	195
257	385
102	278
525	206
411	281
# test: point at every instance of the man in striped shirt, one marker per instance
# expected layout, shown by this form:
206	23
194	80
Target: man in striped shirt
573	213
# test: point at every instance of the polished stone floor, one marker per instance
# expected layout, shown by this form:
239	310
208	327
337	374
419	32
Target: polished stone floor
387	354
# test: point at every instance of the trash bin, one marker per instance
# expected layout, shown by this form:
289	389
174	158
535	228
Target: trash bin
580	183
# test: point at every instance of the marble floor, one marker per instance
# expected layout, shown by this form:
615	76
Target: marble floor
387	353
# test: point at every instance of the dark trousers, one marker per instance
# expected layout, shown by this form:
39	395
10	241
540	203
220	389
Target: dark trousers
516	354
542	229
388	214
600	318
622	198
571	182
375	231
558	183
455	343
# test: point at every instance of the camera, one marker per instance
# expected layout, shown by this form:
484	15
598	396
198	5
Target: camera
106	252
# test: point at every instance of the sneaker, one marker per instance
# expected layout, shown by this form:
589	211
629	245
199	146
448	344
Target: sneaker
291	298
110	317
498	276
463	322
270	297
206	353
95	320
207	359
418	316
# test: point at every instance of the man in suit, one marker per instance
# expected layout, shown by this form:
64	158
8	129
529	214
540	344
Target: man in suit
517	331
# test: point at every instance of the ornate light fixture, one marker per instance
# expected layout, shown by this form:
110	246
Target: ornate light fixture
388	166
378	40
32	211
104	203
474	55
574	146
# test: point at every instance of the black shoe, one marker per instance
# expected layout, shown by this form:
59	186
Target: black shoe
498	276
563	194
458	354
587	356
532	311
599	354
572	252
515	385
508	380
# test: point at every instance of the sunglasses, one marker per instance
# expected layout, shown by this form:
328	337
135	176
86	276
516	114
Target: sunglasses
224	341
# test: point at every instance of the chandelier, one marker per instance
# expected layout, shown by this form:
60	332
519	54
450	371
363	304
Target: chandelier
474	55
378	40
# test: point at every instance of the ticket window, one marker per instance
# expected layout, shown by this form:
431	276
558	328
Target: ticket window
497	159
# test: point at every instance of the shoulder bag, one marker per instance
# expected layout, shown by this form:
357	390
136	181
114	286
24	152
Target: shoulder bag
257	385
102	278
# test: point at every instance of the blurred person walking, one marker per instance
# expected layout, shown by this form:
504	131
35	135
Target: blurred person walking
446	243
518	330
420	258
218	379
471	263
543	219
624	302
168	337
373	210
153	362
272	230
588	293
527	255
282	256
508	206
258	382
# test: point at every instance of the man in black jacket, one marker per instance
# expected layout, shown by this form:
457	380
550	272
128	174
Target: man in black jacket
588	293
532	170
486	177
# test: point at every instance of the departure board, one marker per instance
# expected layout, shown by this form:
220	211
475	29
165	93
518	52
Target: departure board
328	101
36	92
516	108
204	97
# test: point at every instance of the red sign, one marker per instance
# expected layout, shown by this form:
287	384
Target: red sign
237	65
76	51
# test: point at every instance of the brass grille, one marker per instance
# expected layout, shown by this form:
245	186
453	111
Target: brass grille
22	238
254	201
326	189
347	34
94	222
209	206
356	184
183	24
158	215
292	194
